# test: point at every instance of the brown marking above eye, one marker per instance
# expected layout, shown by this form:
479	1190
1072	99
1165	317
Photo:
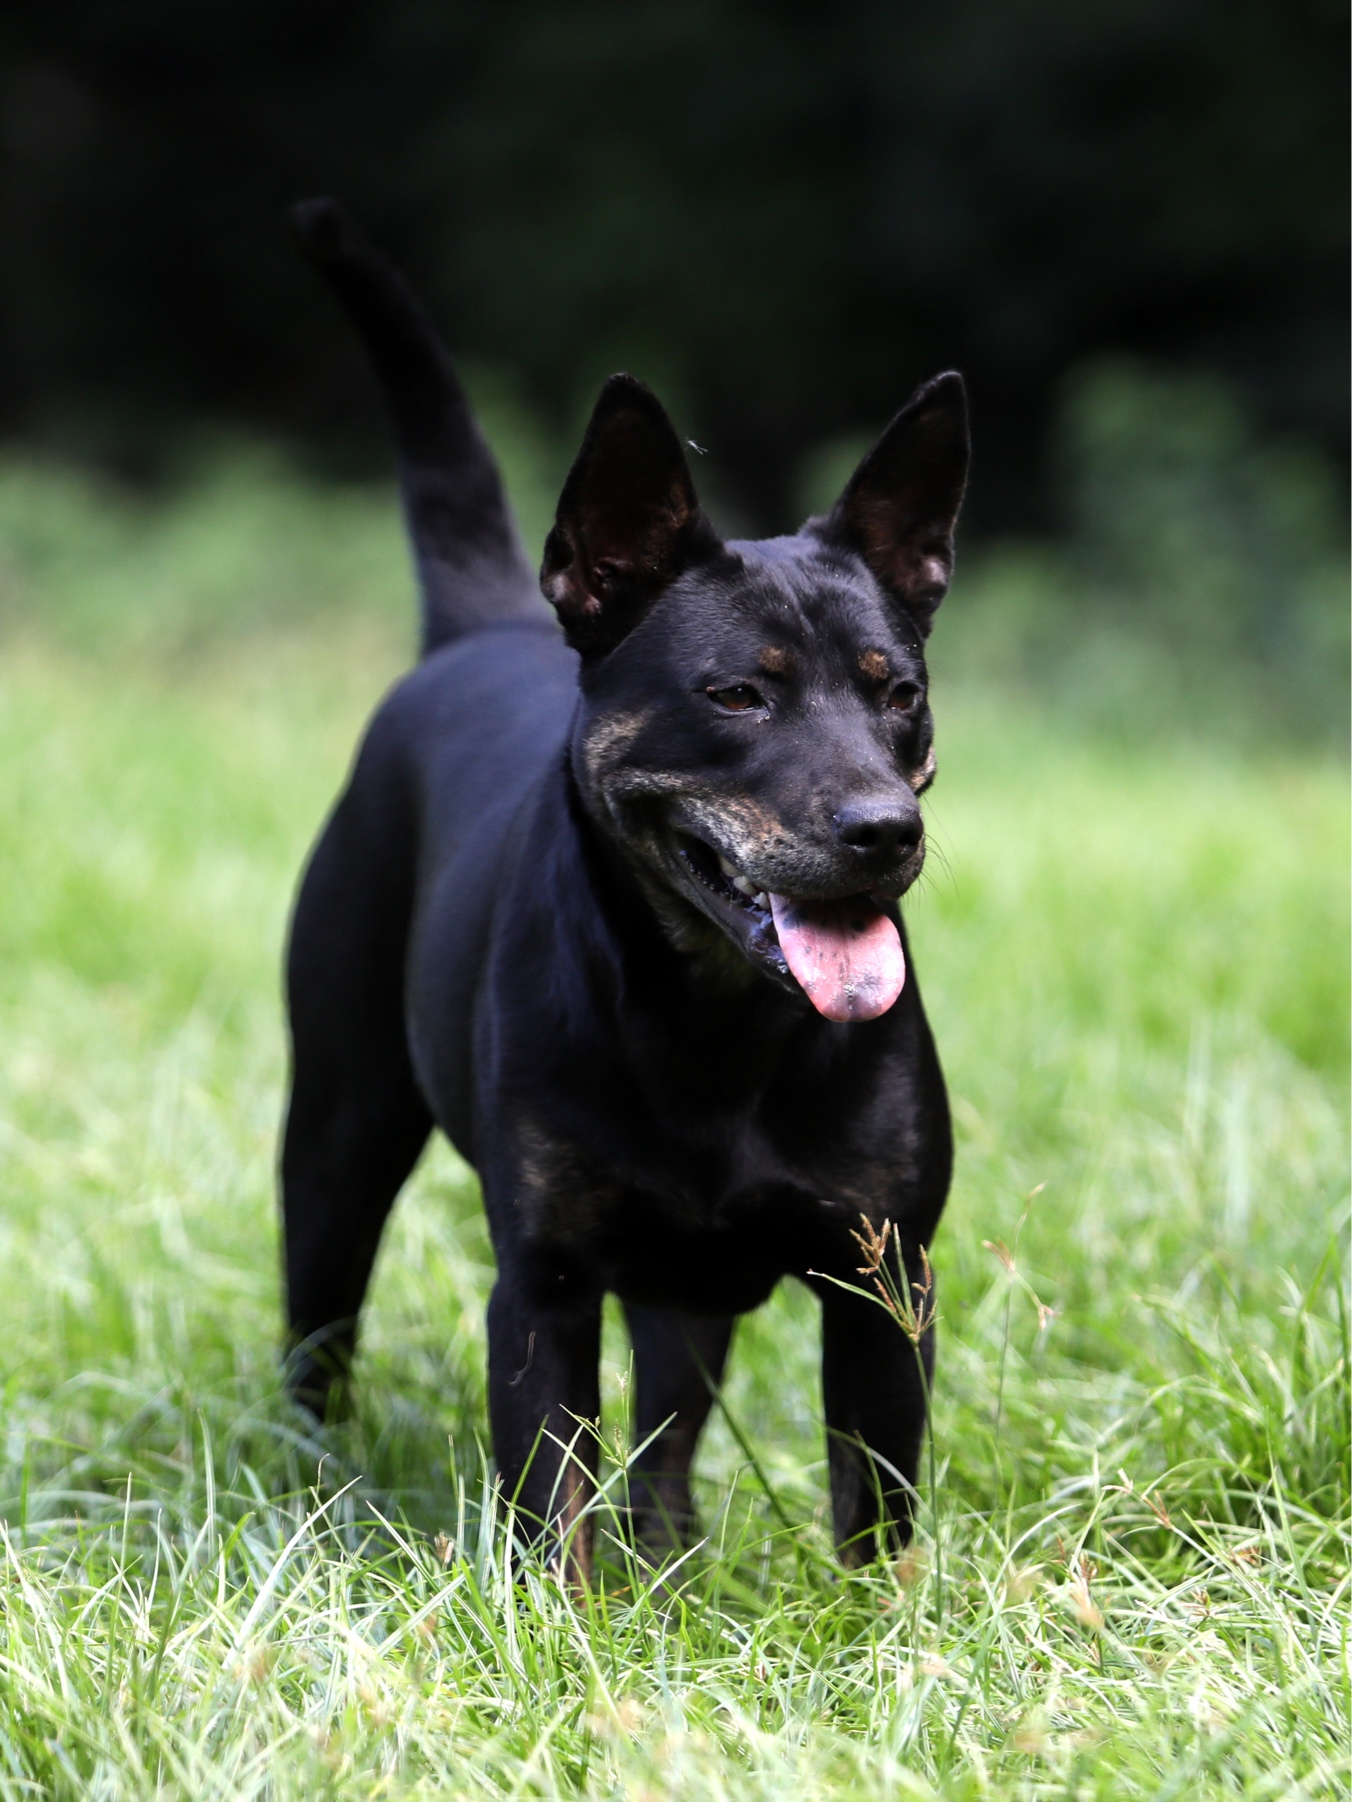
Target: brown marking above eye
873	665
776	659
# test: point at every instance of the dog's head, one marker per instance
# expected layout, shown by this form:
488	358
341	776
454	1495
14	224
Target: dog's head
755	730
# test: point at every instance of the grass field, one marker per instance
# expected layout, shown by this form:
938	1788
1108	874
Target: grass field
1131	1575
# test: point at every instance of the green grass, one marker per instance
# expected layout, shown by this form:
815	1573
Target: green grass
1132	1577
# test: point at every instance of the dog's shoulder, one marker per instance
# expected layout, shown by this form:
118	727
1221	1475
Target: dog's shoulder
504	692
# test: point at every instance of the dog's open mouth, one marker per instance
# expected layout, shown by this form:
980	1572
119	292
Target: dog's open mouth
844	953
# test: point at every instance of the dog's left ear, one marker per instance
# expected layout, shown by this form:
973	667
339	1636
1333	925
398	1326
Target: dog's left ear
900	506
628	520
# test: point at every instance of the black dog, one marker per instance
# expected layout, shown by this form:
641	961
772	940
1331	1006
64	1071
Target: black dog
615	907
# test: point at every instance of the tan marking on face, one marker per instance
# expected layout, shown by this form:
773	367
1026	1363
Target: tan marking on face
874	665
922	777
743	828
609	739
776	659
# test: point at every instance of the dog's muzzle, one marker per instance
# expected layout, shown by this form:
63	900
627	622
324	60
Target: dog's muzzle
843	953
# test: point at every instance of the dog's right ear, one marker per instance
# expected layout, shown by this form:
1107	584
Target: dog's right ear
628	520
900	506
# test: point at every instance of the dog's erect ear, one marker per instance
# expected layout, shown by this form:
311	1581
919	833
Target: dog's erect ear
900	506
628	520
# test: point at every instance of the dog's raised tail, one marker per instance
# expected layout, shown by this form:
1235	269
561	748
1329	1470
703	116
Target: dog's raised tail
472	566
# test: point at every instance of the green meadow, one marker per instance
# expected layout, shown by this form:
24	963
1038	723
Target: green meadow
1130	1577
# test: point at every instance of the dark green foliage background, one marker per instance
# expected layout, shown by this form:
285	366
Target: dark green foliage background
782	215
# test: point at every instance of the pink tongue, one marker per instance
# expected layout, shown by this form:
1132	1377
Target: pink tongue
846	954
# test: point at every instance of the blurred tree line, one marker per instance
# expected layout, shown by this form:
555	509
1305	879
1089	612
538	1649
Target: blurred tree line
782	213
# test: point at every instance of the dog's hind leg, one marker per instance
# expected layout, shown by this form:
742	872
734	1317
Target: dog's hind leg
356	1122
678	1361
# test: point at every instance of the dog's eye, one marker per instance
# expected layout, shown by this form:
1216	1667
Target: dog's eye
903	697
740	698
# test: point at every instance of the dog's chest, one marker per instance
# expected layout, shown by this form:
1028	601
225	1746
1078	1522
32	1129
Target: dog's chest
710	1251
689	1156
704	1222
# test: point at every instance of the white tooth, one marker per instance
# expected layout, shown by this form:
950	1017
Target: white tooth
744	885
728	869
763	900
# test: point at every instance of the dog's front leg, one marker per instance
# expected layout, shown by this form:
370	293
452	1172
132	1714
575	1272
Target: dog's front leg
678	1363
544	1348
875	1385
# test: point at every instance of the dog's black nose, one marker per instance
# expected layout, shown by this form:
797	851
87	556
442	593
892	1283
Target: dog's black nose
884	830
